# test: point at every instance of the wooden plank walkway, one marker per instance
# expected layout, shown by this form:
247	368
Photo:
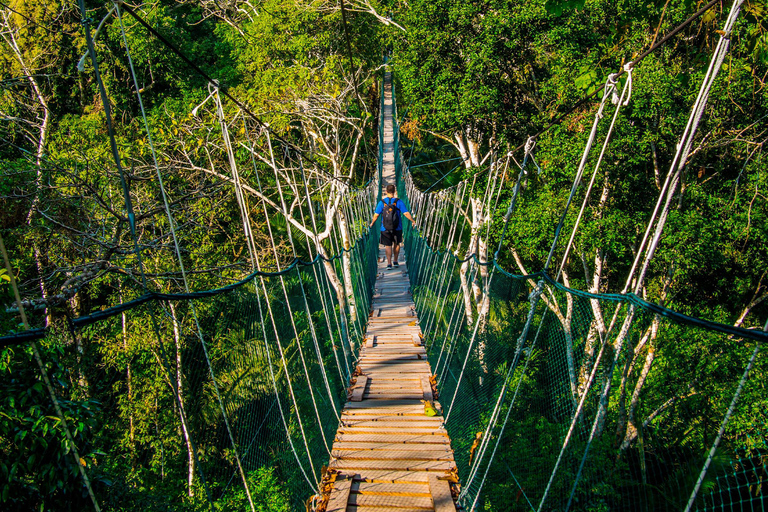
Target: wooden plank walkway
388	453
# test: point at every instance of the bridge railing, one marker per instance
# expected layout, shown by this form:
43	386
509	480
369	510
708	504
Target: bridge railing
222	399
559	399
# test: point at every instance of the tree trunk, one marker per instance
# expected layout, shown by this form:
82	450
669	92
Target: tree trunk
182	412
42	128
128	380
82	379
468	307
338	287
346	263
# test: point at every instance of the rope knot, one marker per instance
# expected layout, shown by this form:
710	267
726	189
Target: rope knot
529	145
537	291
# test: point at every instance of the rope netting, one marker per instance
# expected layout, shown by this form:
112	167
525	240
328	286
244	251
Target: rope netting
561	399
262	358
522	410
223	399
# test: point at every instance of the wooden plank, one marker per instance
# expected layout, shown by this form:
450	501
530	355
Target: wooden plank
400	319
426	388
387	369
405	380
379	358
397	465
340	494
399	489
435	421
402	337
359	389
391	502
394	317
395	366
394	476
385	430
441	494
420	419
416	340
388	328
390	404
418	439
399	410
385	347
370	341
385	395
425	453
396	363
393	424
388	445
382	394
396	380
355	508
406	386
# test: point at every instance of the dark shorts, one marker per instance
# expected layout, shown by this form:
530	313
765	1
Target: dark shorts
388	237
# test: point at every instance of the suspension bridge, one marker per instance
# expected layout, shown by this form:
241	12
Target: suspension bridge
463	381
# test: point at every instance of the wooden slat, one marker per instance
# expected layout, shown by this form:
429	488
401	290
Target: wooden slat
399	465
388	385
390	404
426	388
385	347
425	453
423	503
340	494
418	439
416	410
388	445
394	476
441	494
387	357
414	395
395	366
359	390
391	424
390	488
410	384
354	508
389	418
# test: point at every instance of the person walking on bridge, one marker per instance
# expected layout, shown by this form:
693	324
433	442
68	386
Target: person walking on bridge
391	209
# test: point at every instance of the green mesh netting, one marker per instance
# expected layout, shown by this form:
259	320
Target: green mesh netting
280	351
510	390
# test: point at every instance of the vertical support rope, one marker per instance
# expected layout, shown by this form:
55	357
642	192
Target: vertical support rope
180	259
132	226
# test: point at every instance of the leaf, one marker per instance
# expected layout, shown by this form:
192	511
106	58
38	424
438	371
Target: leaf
429	409
557	7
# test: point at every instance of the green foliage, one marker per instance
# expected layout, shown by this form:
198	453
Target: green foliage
267	493
39	472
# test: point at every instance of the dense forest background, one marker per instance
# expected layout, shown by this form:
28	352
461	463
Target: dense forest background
474	80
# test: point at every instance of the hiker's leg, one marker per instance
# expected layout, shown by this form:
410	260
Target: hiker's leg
397	241
386	241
